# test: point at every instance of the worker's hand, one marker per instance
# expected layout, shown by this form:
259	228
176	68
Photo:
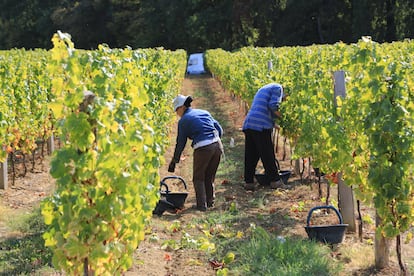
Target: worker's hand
278	114
171	167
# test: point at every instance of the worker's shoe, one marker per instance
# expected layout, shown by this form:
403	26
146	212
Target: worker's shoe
199	208
278	184
249	186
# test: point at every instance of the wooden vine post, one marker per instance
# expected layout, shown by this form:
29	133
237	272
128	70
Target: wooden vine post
51	144
382	247
345	194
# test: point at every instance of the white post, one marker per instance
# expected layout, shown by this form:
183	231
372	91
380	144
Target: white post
339	85
345	194
3	175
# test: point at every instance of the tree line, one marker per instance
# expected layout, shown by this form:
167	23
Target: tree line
197	25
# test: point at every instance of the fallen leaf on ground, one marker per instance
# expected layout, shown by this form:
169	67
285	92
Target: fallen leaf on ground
216	264
167	257
194	262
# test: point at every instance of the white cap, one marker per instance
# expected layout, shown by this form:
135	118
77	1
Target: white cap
179	101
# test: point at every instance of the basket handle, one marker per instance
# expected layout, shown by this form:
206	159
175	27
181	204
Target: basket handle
277	164
166	187
323	207
173	177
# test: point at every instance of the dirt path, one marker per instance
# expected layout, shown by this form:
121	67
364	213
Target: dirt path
152	258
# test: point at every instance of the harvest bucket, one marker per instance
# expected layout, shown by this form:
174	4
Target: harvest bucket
264	180
330	234
170	200
176	198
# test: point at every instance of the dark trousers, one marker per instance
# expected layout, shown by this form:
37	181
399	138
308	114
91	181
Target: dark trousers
258	145
205	163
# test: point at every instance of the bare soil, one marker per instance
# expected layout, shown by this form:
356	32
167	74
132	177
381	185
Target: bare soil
285	210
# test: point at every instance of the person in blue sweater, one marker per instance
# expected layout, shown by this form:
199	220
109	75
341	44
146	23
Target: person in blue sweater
257	127
205	132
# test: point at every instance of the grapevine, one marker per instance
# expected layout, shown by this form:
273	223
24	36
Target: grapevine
368	135
107	170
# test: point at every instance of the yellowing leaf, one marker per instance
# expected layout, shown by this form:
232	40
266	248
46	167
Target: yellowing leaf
57	109
49	239
114	127
324	133
194	262
229	258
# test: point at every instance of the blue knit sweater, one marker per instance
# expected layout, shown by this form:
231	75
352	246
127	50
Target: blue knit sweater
199	126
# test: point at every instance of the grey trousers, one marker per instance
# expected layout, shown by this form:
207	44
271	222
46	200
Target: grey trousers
205	163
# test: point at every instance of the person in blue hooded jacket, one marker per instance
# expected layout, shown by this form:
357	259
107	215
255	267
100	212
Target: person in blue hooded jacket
205	132
257	127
